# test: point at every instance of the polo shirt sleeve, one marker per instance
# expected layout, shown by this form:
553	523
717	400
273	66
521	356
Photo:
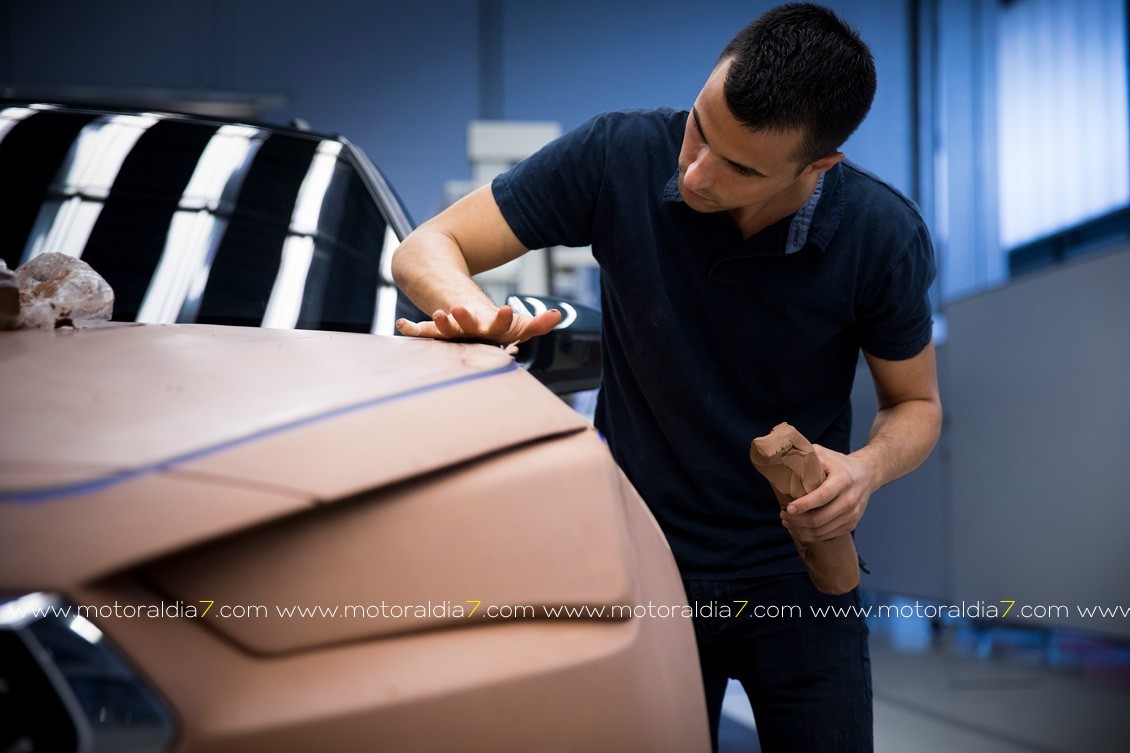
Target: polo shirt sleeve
895	322
550	198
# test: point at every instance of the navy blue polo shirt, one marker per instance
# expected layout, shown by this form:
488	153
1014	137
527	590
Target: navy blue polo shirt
709	339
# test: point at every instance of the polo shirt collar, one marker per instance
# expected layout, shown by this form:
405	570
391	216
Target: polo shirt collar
815	222
827	209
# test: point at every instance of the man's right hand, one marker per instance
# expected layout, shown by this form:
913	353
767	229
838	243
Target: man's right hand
434	266
502	325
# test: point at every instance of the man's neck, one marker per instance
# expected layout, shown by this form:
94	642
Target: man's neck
755	218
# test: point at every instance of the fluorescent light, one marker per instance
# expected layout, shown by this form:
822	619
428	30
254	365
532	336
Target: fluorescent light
285	303
312	193
82	184
384	321
85	628
198	226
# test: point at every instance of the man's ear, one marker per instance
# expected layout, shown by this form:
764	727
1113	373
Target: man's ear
824	164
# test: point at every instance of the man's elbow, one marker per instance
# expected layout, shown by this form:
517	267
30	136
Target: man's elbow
407	258
939	417
932	415
921	414
400	263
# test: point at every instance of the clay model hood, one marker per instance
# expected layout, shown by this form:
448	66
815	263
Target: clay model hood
190	431
84	408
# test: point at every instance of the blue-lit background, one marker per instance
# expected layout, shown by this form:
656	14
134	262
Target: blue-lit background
1006	121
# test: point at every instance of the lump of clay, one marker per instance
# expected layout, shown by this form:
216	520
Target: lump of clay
786	458
57	290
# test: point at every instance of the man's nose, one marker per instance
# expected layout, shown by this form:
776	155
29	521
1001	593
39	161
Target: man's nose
699	173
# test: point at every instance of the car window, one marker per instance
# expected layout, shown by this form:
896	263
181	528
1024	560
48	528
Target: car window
195	221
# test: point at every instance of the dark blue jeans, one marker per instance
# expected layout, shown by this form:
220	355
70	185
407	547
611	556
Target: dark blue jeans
807	674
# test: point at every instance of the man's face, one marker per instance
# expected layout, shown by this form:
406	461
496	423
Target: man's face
724	166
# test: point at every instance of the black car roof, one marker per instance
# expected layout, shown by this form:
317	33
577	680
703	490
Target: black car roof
109	108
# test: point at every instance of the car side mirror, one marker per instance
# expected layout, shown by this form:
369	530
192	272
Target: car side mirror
567	359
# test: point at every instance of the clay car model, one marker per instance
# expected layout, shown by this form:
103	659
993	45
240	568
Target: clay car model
233	538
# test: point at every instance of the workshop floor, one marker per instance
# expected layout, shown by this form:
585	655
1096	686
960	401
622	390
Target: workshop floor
960	688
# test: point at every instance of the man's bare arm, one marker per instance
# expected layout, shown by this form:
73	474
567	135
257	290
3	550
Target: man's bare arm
433	266
905	430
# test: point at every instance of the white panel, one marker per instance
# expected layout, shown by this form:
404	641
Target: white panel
1038	414
1062	115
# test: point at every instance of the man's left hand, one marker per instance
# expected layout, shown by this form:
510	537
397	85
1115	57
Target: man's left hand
837	505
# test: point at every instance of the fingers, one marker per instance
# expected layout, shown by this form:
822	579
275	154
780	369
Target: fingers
414	329
446	324
835	482
822	495
819	512
541	324
838	516
808	522
503	320
472	324
833	508
505	327
809	531
442	326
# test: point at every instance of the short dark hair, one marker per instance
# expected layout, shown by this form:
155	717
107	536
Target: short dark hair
800	66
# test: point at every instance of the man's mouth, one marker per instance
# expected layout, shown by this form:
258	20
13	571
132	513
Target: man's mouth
688	193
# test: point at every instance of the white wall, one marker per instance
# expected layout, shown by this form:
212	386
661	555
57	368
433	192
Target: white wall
1039	446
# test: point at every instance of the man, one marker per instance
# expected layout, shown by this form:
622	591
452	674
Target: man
744	265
